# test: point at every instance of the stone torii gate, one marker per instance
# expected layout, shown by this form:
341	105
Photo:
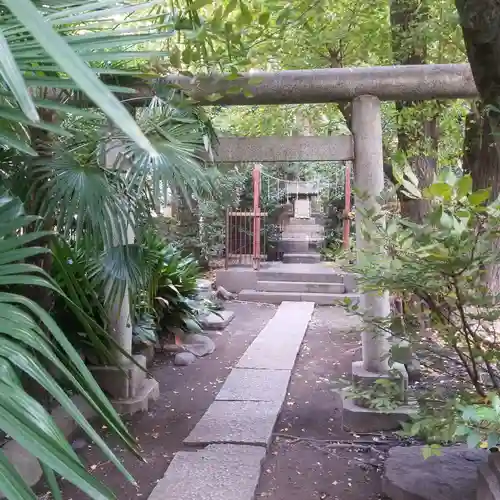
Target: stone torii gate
365	88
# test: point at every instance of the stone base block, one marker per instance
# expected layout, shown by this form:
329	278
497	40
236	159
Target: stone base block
121	382
364	379
359	419
150	391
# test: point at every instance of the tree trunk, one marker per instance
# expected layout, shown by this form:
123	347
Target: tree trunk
480	20
419	144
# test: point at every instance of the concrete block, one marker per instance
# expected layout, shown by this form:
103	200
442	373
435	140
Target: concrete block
218	472
358	419
316	273
255	385
364	379
300	286
121	382
277	345
150	391
236	279
350	283
293	245
323	299
236	422
217	321
302	258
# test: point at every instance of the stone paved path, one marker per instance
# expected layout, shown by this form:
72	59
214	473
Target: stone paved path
244	413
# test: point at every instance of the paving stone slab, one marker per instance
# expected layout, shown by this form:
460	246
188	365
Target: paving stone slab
255	385
277	345
237	422
218	472
217	321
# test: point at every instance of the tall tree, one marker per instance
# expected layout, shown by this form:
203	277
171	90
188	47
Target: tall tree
480	20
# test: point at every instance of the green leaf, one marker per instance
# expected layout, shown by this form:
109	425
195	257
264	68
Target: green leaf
15	81
264	18
479	196
175	57
230	8
198	4
246	16
13	142
13	485
473	439
69	62
441	190
464	186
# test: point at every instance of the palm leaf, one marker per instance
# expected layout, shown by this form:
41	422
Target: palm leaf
28	333
69	62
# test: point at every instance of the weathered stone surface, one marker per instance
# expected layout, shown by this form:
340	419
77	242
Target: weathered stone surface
278	343
255	385
488	485
245	422
149	391
217	321
451	476
358	419
218	472
184	358
414	370
401	352
24	462
121	382
199	345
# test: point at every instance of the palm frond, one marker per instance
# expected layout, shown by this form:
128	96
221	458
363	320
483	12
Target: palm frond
29	339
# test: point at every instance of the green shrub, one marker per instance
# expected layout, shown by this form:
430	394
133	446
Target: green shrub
448	268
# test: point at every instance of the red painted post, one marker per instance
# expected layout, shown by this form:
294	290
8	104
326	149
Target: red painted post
256	217
347	221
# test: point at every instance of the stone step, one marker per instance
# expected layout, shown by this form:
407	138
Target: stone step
300	287
326	276
294	246
302	222
222	471
302	237
302	258
322	299
306	229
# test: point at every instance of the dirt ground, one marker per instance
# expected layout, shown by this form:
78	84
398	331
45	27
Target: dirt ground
186	393
295	469
306	469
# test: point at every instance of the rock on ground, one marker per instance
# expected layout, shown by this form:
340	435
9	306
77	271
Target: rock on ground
199	345
450	476
184	358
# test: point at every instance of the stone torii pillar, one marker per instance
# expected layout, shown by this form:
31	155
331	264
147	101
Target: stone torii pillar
369	183
126	383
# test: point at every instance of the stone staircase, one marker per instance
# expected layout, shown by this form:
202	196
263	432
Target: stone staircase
308	282
301	240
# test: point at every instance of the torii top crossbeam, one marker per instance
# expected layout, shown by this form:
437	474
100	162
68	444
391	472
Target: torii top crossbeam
388	83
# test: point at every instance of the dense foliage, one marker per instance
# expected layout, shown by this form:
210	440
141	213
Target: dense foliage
440	268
